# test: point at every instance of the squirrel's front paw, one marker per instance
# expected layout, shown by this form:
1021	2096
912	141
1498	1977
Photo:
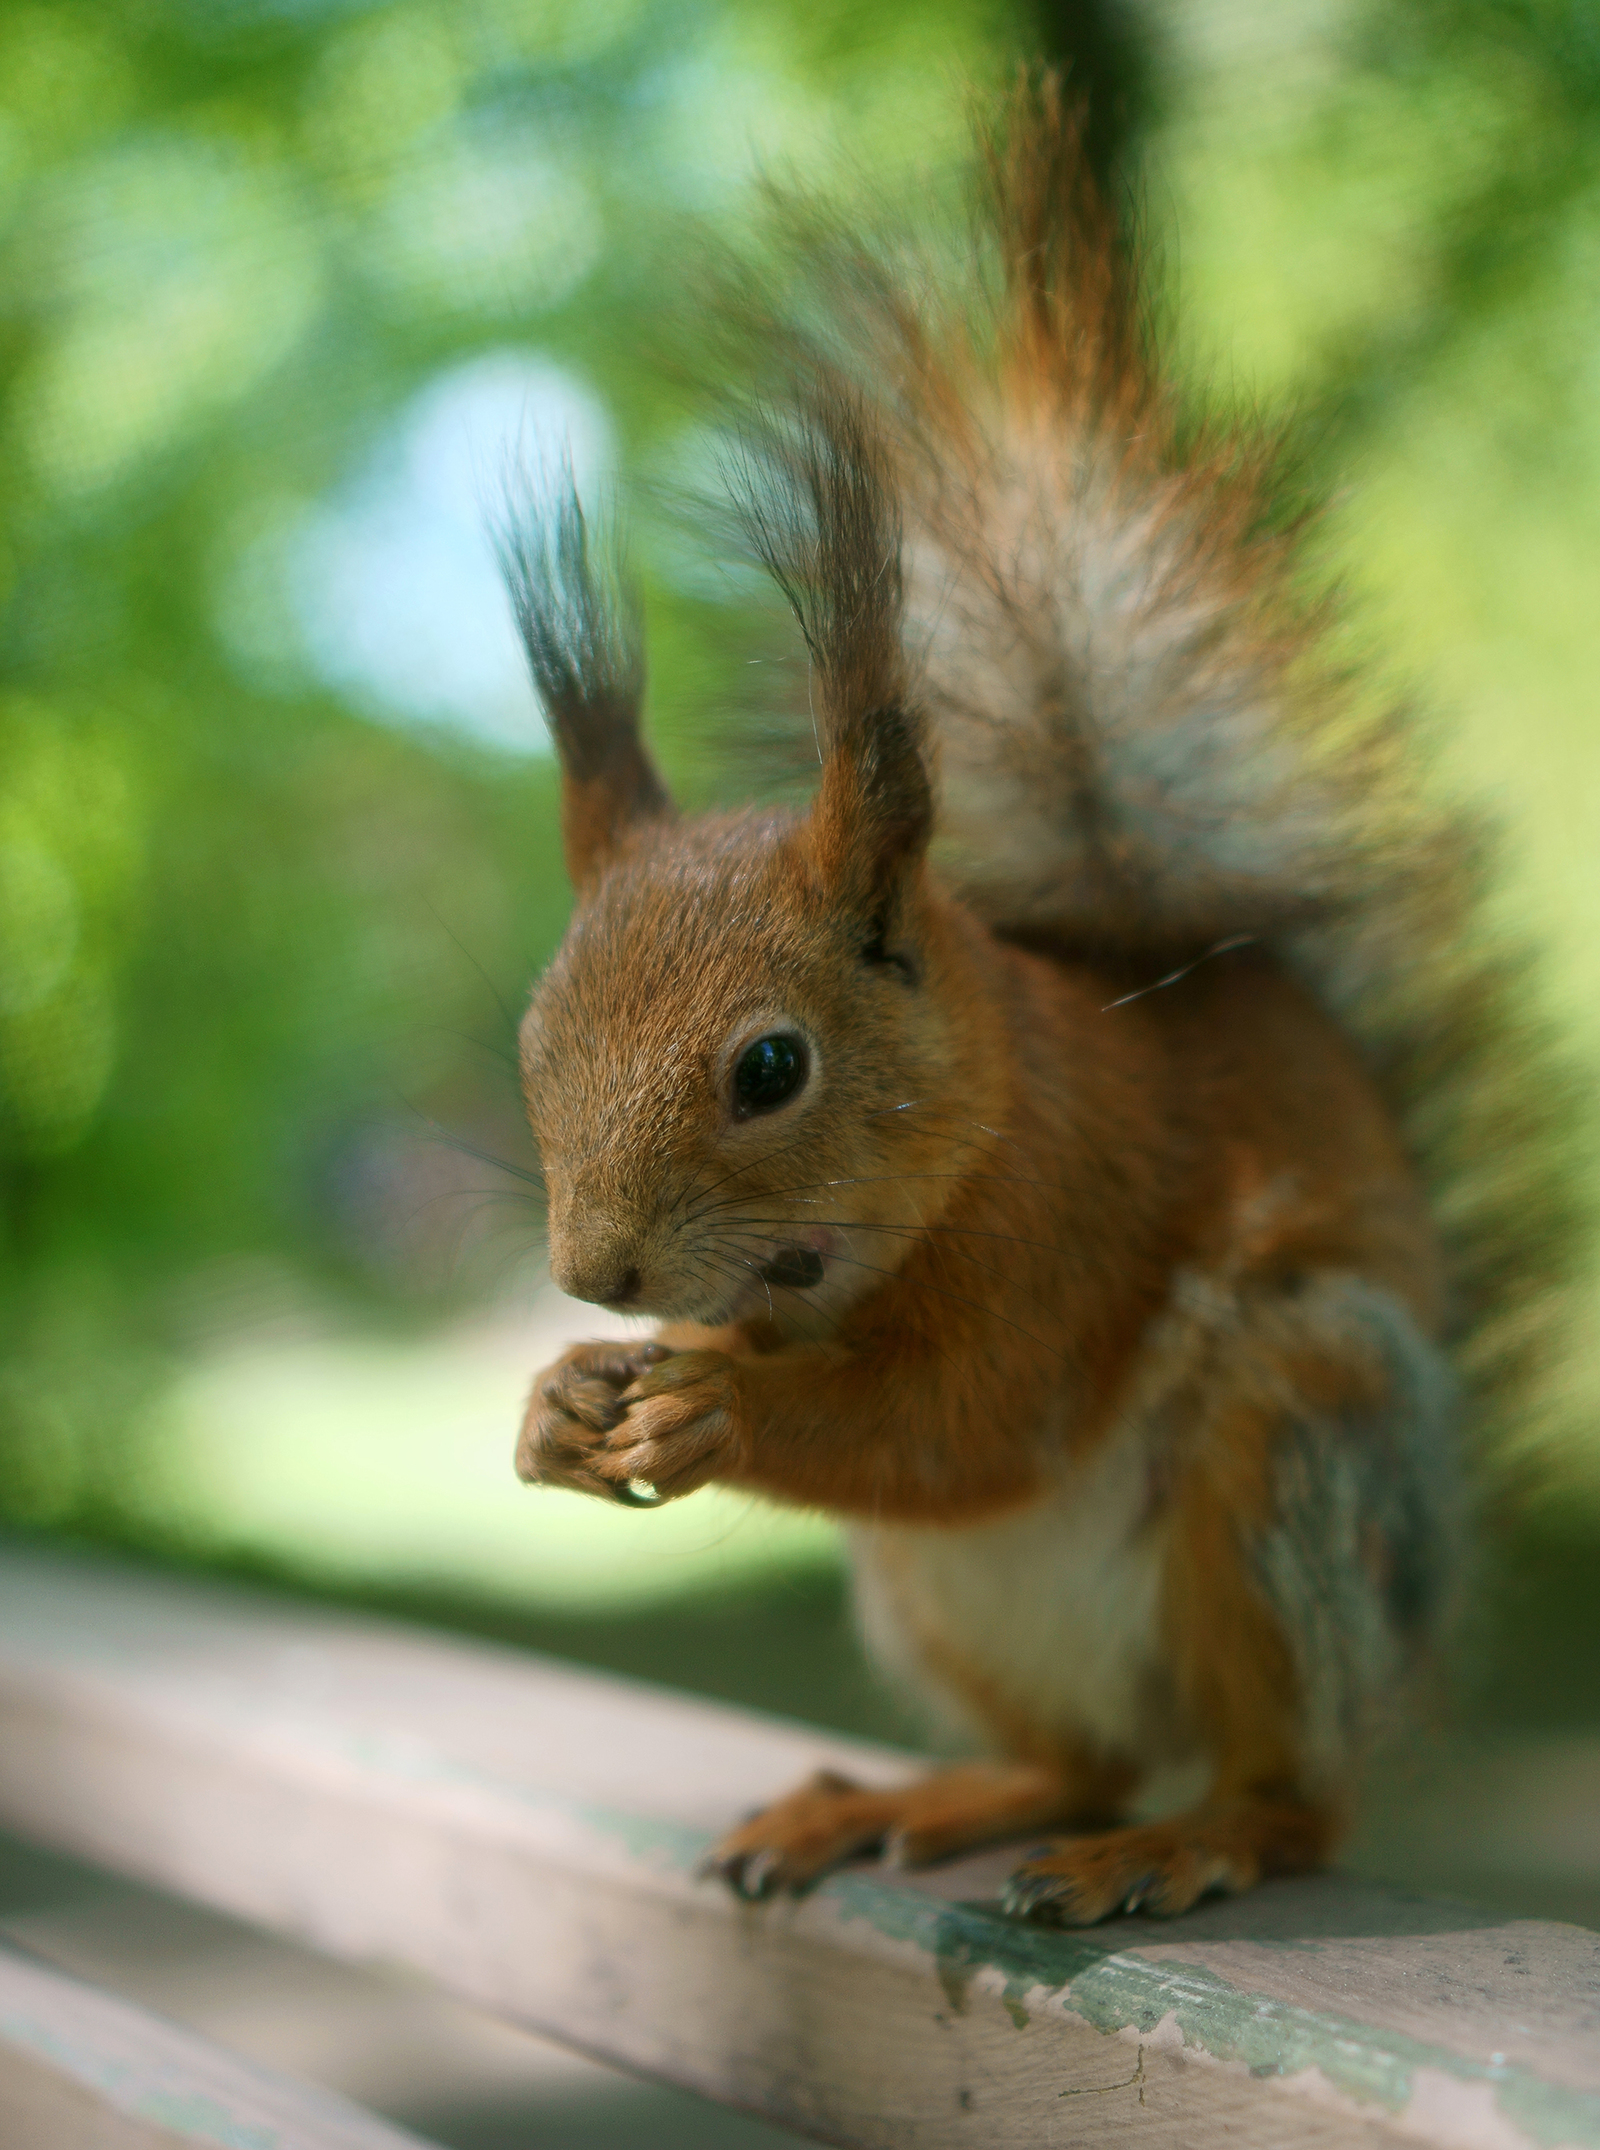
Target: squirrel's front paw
685	1424
575	1404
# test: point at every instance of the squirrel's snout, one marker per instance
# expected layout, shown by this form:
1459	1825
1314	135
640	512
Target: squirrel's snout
600	1286
605	1275
622	1289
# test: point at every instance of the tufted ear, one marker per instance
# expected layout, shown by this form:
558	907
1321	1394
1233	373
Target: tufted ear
580	627
815	491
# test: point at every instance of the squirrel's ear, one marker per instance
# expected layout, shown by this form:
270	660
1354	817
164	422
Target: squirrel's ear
815	493
580	627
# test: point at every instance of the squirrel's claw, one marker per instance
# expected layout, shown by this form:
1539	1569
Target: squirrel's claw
753	1875
794	1843
1160	1869
1051	1899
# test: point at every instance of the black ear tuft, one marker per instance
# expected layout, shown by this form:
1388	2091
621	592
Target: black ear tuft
814	490
579	623
814	487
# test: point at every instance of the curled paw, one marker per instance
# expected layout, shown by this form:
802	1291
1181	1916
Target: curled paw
575	1404
1161	1869
681	1423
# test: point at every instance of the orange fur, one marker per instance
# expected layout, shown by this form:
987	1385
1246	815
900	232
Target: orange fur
1082	1267
829	1818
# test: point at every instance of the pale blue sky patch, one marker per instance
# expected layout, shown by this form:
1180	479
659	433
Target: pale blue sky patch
394	584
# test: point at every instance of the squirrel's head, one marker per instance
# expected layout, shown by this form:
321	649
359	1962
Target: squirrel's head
741	1068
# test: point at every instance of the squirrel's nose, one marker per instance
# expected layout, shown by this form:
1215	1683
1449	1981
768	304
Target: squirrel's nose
603	1278
625	1288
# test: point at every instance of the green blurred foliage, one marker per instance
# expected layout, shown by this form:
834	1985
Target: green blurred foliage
255	944
1389	217
250	933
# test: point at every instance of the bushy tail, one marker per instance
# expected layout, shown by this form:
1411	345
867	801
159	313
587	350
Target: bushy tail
1148	737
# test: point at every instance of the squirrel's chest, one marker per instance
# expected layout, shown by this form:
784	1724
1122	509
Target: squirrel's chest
1039	1625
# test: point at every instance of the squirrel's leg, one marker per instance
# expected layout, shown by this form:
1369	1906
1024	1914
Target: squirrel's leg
1314	1534
1230	1655
830	1818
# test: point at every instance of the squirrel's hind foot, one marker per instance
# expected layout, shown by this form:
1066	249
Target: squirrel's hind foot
1163	1868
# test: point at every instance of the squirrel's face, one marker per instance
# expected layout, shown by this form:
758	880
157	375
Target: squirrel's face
749	1068
743	1091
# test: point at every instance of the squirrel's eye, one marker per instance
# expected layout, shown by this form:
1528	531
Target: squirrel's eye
768	1074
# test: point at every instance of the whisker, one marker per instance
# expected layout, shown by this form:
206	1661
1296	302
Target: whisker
494	991
468	1149
950	1119
1098	1149
766	1157
937	1349
481	1045
915	1235
765	1282
1236	940
481	1194
958	1298
898	1179
810	1306
960	1231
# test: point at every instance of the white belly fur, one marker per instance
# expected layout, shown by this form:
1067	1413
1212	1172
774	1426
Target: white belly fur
1055	1609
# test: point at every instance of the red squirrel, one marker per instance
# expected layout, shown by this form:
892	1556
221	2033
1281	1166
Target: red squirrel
1047	1210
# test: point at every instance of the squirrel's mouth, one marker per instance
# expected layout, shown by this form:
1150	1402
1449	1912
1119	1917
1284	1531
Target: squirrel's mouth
793	1268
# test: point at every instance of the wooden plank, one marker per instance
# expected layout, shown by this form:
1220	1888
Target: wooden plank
527	1834
81	2070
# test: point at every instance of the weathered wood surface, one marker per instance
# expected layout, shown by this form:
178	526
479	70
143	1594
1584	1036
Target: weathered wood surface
527	1834
81	2070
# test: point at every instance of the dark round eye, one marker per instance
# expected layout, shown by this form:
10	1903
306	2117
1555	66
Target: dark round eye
768	1074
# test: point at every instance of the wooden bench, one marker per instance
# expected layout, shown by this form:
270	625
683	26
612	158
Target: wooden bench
527	1836
79	2067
